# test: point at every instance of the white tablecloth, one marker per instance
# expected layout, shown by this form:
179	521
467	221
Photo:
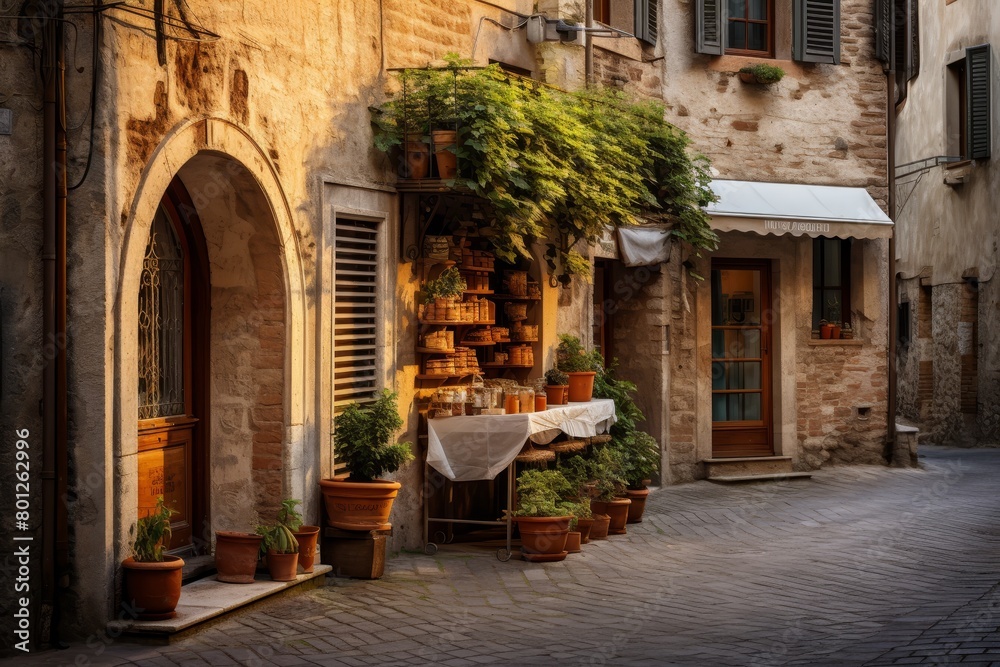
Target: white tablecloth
469	448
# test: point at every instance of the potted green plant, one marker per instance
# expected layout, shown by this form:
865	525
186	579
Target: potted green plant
556	386
282	551
306	536
576	470
447	286
362	440
608	471
761	73
152	580
542	516
580	365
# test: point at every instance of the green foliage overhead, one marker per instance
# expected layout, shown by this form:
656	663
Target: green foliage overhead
151	533
556	167
362	439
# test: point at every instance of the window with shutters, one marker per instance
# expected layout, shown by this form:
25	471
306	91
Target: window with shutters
968	95
639	17
831	280
356	312
754	27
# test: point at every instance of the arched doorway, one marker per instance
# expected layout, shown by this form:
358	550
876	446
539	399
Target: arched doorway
173	357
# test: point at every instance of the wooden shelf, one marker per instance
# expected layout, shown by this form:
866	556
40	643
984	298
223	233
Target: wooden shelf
456	323
475	269
512	297
478	291
525	340
496	365
477	343
431	376
433	350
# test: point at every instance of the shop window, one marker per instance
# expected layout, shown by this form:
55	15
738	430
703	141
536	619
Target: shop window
356	317
831	280
968	98
747	27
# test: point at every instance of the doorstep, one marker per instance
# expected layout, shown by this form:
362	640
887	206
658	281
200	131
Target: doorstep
208	599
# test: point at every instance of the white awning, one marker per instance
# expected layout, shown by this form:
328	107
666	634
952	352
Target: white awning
799	210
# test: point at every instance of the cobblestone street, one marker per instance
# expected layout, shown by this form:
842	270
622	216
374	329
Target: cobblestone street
858	566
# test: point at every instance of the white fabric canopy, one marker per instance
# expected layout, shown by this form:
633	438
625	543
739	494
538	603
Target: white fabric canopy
479	447
643	246
789	208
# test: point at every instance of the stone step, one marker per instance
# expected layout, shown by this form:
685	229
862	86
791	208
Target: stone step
210	600
773	477
747	465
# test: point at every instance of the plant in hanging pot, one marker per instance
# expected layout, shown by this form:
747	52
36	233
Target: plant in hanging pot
282	551
152	580
761	73
556	387
306	536
362	440
580	365
542	516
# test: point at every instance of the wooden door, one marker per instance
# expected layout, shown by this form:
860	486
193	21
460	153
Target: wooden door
172	363
741	365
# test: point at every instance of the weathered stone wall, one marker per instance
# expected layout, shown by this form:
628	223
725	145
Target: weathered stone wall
682	457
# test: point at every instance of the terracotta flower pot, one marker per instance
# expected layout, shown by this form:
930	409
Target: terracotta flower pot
543	534
417	157
573	541
581	386
236	556
152	589
444	156
616	509
584	526
638	506
282	567
359	505
825	331
556	394
599	531
307	536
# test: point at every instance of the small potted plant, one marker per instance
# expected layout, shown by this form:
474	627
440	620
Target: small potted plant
282	551
542	516
556	386
362	440
761	73
580	365
306	536
446	287
236	556
152	580
608	469
640	455
576	470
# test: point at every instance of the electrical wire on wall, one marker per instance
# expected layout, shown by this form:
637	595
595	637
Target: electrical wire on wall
475	40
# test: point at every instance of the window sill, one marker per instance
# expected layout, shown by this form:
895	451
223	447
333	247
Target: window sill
957	165
732	64
834	342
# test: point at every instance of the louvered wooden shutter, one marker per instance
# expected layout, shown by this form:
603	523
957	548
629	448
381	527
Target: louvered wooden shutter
883	31
913	63
646	16
816	38
355	315
977	86
710	22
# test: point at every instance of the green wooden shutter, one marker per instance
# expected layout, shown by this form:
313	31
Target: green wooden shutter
977	86
883	31
816	37
646	15
710	27
913	66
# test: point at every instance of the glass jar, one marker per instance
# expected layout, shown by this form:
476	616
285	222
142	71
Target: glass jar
512	402
526	398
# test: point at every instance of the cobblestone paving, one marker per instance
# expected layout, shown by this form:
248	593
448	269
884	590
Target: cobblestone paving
858	566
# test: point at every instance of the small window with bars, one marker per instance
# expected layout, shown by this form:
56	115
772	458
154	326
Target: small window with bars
356	314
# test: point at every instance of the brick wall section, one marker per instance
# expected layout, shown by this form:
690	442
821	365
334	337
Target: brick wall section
832	381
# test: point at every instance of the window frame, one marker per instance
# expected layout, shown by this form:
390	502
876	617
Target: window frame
844	287
746	21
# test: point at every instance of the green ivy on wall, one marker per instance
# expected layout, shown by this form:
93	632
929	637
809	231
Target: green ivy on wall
556	167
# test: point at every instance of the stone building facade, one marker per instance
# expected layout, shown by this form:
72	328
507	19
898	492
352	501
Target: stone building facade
240	134
947	243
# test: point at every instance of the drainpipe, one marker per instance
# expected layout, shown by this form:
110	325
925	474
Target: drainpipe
588	48
54	455
891	146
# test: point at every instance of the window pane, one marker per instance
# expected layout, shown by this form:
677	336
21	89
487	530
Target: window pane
758	10
718	375
738	9
831	305
719	412
751	406
757	36
719	340
831	265
736	375
737	35
751	343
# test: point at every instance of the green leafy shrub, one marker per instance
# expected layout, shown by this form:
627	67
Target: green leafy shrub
640	455
362	439
555	165
288	515
152	532
764	73
450	283
556	378
540	493
572	357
